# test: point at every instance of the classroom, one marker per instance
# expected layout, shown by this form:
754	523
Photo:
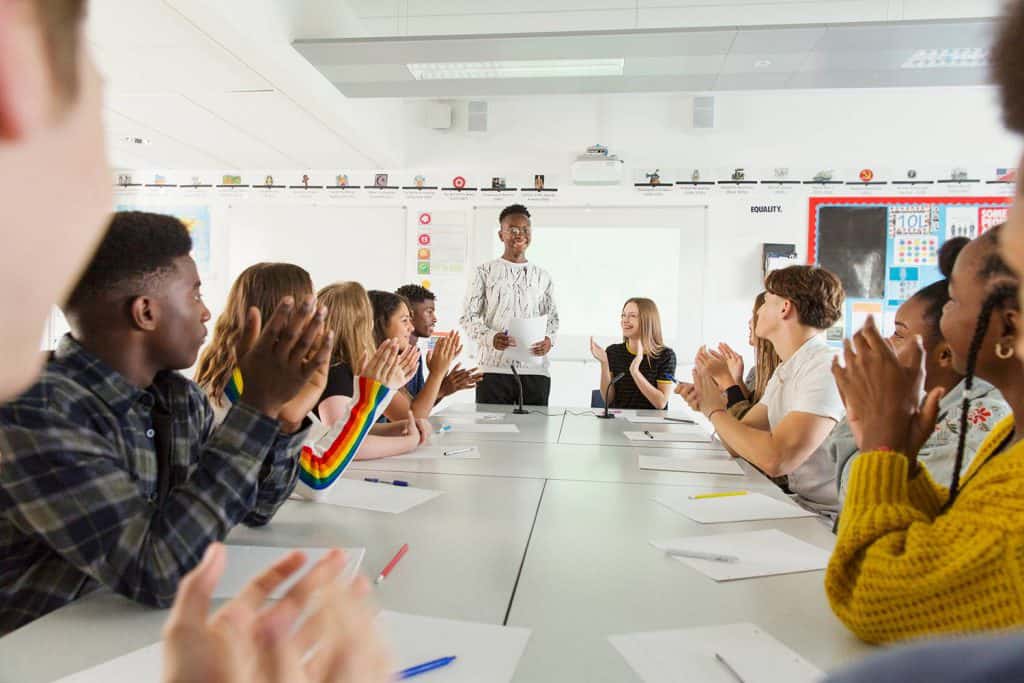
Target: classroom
606	341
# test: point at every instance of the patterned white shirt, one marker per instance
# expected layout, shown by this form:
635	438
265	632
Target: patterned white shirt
502	291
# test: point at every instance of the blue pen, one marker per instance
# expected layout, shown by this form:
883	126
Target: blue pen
396	482
424	668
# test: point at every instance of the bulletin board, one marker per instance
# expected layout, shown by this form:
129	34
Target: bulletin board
884	249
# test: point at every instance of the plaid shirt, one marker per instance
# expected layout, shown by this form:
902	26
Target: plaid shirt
79	504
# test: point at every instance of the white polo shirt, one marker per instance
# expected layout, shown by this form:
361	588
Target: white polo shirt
804	384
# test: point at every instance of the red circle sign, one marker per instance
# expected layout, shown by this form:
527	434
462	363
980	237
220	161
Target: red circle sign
425	240
458	182
424	219
867	175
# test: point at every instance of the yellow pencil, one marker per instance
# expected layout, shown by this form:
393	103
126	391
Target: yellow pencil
718	495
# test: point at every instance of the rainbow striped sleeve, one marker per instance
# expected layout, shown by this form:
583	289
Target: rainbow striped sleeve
322	462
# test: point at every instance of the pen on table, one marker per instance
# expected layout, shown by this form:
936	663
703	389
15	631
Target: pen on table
729	668
725	494
391	565
458	451
396	482
680	419
444	428
423	668
697	555
649	435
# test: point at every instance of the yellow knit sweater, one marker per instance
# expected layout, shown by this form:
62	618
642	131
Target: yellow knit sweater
901	569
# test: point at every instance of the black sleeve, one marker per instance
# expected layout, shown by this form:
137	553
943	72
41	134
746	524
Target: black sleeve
339	382
667	365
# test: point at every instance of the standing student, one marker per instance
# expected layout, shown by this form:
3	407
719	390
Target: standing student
422	303
647	366
113	473
392	319
350	317
919	316
784	434
51	123
504	290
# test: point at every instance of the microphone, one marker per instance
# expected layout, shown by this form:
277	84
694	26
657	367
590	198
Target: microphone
607	393
519	382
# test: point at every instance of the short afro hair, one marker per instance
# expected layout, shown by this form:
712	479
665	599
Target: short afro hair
1008	65
415	294
513	210
816	293
137	248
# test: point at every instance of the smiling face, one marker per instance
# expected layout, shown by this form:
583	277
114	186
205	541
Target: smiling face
629	320
424	318
400	326
516	234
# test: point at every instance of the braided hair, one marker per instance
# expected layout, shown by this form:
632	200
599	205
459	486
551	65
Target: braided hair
1003	293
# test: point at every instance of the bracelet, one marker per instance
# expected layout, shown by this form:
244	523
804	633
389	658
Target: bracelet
716	410
734	395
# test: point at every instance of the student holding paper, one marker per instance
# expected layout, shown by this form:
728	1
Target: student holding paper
422	303
648	366
506	292
784	434
50	112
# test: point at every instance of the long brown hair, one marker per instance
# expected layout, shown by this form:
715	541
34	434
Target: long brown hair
766	357
350	316
262	285
650	325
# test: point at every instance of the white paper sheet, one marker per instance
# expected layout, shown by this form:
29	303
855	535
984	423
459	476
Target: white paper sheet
376	497
526	332
245	562
486	428
689	655
761	553
484	652
141	666
457	451
640	420
470	418
701	462
694	435
751	507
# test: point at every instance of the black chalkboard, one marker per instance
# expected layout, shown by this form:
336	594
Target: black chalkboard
851	243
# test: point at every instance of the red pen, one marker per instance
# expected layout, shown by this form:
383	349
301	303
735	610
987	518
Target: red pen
394	560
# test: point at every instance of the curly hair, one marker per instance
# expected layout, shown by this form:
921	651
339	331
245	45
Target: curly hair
262	286
1008	65
816	293
415	293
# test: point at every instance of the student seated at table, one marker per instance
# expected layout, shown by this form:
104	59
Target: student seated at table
392	319
647	366
726	367
331	447
914	558
113	474
423	308
784	434
350	318
919	316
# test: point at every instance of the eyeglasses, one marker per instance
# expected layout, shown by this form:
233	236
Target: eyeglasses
517	232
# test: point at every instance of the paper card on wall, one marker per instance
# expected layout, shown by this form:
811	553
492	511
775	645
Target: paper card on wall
961	221
990	217
526	332
745	508
689	655
860	310
761	553
916	250
245	562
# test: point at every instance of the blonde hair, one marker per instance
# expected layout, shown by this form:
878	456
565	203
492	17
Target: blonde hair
767	360
350	317
650	325
262	285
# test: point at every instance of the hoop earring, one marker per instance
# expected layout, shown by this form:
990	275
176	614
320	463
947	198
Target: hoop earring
1003	354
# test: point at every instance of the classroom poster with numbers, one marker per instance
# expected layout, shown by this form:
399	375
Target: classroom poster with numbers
884	249
439	248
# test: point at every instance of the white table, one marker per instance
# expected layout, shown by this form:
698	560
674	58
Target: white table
592	431
588	572
541	425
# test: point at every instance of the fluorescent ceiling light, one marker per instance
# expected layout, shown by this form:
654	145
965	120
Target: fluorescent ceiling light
527	68
948	58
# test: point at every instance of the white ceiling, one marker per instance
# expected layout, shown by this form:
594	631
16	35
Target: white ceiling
219	85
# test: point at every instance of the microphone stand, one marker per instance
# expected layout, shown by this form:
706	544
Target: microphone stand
519	407
607	393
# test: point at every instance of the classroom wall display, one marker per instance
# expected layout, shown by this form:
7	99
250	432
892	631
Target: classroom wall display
884	249
195	218
438	253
